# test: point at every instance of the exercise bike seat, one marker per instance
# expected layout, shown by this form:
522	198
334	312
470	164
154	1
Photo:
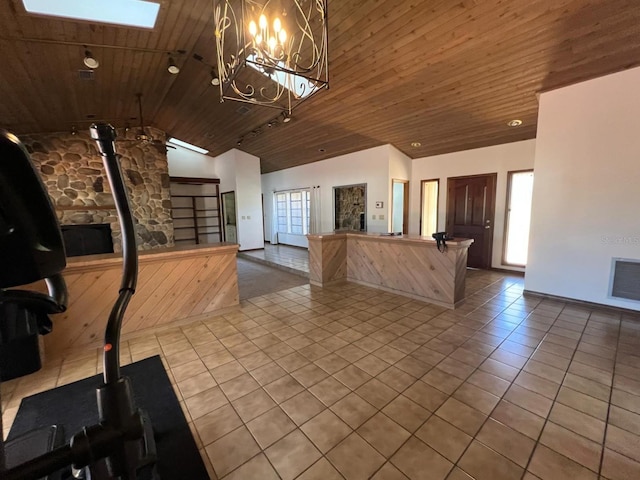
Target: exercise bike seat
30	238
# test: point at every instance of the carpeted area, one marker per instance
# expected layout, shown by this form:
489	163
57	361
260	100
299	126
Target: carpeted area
74	406
255	280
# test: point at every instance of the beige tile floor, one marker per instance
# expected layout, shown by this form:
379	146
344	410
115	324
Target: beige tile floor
350	382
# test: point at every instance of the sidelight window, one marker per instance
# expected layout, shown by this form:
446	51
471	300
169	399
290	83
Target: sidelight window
519	195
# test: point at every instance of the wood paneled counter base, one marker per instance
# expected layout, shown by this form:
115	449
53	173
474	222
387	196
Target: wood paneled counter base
173	284
406	265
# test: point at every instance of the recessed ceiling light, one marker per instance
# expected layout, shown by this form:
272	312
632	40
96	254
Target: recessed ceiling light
132	13
515	123
416	144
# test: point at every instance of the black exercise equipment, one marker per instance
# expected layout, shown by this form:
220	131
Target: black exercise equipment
121	445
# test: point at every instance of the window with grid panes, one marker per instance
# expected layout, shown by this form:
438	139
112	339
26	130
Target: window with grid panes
281	207
293	209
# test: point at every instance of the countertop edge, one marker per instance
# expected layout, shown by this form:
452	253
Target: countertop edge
150	256
456	242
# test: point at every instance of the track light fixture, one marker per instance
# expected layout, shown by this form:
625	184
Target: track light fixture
215	78
282	118
215	81
90	61
173	68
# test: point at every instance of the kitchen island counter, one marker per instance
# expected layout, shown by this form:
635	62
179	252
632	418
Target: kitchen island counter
407	265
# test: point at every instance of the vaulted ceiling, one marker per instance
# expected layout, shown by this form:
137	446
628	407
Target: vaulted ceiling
446	74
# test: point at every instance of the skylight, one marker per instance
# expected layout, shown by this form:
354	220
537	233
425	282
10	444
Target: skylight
180	143
132	13
286	80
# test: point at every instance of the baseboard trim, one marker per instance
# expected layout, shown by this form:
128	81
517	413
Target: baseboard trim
505	270
584	303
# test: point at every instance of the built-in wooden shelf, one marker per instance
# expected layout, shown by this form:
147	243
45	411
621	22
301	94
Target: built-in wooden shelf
199	213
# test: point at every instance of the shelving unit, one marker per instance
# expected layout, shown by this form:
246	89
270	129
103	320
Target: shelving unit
196	210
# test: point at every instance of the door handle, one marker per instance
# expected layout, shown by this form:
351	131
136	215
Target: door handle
487	227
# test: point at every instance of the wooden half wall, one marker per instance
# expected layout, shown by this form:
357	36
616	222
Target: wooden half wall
410	266
173	284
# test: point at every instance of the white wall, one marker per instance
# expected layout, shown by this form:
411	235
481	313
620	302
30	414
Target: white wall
187	163
225	168
369	166
239	172
586	190
400	167
498	159
248	201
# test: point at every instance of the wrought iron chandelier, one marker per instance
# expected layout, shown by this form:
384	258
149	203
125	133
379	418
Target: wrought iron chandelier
271	52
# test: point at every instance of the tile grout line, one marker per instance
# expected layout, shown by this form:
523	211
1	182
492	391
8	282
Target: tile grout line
489	321
298	427
455	464
303	301
388	460
546	420
230	403
411	434
613	376
323	455
331	375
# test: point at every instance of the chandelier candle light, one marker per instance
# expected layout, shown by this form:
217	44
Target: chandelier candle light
271	52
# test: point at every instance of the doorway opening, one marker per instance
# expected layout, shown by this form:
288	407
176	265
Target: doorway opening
429	207
400	206
470	214
519	196
230	217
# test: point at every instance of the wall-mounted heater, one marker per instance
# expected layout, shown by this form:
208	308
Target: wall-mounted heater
625	279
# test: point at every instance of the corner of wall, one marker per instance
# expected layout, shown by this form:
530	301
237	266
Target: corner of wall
585	192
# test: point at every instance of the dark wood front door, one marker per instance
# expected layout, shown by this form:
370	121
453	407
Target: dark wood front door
470	214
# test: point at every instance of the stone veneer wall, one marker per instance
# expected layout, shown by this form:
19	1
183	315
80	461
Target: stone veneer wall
76	180
349	203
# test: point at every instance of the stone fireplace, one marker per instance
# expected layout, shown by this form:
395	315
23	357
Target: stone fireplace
76	181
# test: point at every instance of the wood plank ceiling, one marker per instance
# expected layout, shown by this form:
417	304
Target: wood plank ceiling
447	74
